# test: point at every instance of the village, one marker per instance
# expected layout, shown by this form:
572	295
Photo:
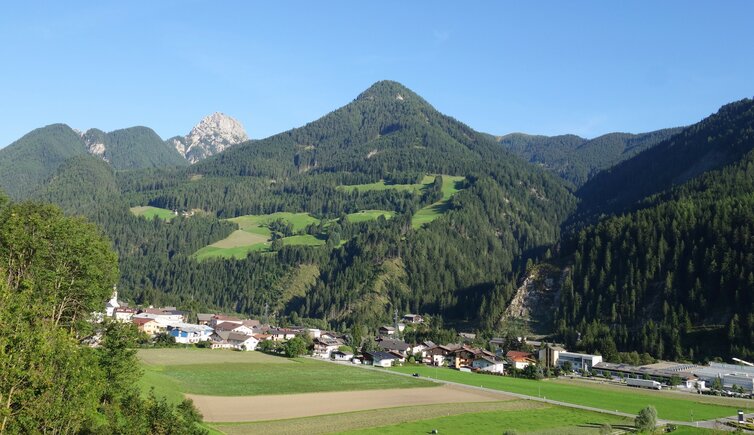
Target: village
520	357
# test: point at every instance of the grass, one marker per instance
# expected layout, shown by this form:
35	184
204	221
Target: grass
150	212
369	215
298	221
380	185
626	400
202	372
369	419
303	240
544	419
450	186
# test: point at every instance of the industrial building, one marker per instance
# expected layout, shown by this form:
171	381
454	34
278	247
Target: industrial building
556	356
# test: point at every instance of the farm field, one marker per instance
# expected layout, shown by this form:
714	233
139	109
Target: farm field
628	400
229	375
150	212
284	406
552	419
368	419
298	221
450	186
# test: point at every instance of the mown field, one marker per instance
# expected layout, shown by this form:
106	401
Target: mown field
228	373
552	419
628	400
150	212
369	215
380	185
450	186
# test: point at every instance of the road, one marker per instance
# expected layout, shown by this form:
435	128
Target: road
717	424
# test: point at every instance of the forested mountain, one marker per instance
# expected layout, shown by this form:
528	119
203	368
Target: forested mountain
673	277
676	277
576	159
718	140
462	266
29	161
133	148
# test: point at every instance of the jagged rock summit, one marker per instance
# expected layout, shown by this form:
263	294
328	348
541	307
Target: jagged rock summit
212	135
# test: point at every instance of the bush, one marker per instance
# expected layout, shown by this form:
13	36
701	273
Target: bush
646	420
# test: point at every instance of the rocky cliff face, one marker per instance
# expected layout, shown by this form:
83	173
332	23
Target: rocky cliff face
212	135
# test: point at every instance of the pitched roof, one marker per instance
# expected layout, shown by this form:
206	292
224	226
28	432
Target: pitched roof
204	317
393	344
518	354
226	326
237	336
141	320
381	355
223	317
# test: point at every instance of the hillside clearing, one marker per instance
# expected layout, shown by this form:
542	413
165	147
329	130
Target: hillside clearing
450	186
381	185
369	215
150	212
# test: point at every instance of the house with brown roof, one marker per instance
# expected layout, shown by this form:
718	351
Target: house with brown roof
235	327
148	326
520	360
442	354
233	340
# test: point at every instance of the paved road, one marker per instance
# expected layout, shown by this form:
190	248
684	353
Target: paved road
708	424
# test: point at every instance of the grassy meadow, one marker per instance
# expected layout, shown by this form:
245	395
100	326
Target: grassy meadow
369	215
172	372
381	185
629	400
150	212
450	186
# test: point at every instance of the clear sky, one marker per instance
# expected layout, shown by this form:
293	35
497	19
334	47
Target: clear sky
559	67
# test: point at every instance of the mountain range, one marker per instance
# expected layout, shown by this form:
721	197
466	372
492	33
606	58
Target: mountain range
33	159
649	234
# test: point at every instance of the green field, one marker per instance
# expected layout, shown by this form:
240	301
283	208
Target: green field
369	419
450	186
628	400
150	212
175	371
298	221
380	185
369	215
549	419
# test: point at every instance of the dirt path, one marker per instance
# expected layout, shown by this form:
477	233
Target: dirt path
274	407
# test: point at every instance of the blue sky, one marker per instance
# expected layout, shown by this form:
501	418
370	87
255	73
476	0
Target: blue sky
558	67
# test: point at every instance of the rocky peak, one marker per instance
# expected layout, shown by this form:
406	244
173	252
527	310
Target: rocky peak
212	135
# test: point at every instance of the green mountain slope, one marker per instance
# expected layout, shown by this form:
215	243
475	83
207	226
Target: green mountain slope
80	185
135	148
387	126
676	277
29	161
718	140
576	159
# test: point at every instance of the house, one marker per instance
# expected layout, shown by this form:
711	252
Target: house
166	316
549	354
520	360
235	327
497	343
233	340
220	318
251	323
341	356
391	344
413	318
422	347
381	359
189	333
324	347
467	336
465	355
204	318
441	354
123	314
281	334
148	326
486	363
386	330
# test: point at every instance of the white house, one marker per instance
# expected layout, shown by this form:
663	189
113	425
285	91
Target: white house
380	359
122	314
189	333
488	364
235	327
233	340
342	356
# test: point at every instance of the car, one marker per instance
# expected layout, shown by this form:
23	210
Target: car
416	375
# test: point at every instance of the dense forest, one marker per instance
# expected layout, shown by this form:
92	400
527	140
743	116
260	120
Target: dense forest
576	159
670	276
